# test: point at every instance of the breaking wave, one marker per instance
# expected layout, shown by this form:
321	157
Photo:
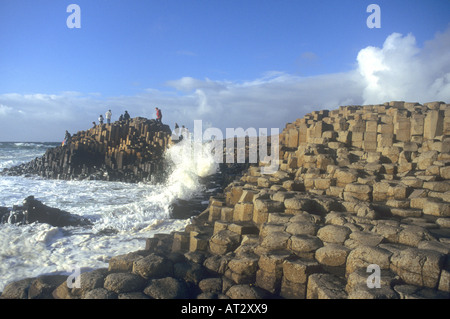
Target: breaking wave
123	215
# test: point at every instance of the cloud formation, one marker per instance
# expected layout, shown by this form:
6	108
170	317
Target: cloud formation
399	70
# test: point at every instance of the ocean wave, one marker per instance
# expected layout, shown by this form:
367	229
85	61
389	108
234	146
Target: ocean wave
27	145
123	214
16	153
31	145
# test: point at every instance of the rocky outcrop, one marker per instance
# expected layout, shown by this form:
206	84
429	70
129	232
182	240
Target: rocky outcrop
358	209
34	211
129	151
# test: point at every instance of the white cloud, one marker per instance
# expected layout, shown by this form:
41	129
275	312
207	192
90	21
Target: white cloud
4	110
399	70
267	102
188	84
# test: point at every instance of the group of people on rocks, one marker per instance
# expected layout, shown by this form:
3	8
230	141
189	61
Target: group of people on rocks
125	117
108	115
178	134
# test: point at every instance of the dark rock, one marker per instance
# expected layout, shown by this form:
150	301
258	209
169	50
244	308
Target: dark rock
153	266
123	263
91	280
247	292
167	288
207	295
100	293
17	289
124	282
4	214
165	243
88	281
197	257
43	287
182	209
217	264
133	295
176	257
35	211
211	285
63	292
189	272
224	241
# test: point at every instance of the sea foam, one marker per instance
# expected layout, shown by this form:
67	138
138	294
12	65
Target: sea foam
123	216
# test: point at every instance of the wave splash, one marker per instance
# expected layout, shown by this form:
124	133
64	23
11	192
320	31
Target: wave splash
154	202
123	216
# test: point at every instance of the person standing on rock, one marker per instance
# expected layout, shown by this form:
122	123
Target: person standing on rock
158	115
184	132
108	117
100	119
126	116
176	133
66	138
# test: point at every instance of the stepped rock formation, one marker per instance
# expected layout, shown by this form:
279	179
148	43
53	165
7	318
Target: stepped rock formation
360	208
127	151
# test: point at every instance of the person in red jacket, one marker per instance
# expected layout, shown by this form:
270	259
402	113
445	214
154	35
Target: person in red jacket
158	115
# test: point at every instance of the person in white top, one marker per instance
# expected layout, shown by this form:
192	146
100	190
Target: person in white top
108	117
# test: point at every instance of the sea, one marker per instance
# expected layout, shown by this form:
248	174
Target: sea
124	215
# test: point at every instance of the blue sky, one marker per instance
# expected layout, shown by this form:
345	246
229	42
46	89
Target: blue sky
230	63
